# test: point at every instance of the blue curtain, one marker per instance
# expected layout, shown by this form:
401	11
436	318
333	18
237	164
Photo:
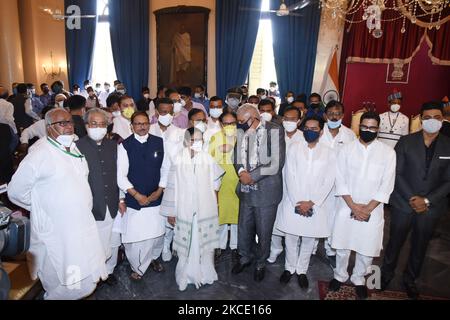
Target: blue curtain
295	47
80	43
236	32
129	26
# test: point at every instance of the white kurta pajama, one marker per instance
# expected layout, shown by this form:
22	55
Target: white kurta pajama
111	241
276	245
364	173
197	223
142	230
309	175
66	253
344	136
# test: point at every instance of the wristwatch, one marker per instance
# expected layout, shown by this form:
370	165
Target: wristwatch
427	202
122	201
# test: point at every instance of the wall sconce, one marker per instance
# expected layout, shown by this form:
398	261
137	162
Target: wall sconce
52	73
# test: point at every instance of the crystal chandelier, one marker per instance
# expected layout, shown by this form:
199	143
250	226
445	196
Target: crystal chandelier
425	13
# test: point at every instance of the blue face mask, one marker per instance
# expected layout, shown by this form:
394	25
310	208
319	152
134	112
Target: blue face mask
243	126
311	136
334	124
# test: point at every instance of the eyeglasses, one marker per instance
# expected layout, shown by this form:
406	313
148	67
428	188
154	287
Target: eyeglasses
141	124
365	128
63	124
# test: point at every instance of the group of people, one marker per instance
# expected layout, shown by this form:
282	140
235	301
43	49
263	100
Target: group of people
187	175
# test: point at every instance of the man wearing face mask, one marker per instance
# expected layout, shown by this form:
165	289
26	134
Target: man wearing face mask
86	85
36	104
92	99
58	88
120	89
65	239
315	105
291	120
142	172
394	124
215	111
122	123
104	94
180	114
197	119
24	116
308	179
185	94
173	138
419	199
335	135
77	108
244	90
59	100
261	93
289	98
200	97
144	102
365	176
233	99
101	156
267	110
46	96
260	153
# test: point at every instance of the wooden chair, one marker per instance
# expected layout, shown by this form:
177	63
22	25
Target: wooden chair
414	124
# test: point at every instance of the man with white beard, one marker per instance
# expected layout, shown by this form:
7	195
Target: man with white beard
66	253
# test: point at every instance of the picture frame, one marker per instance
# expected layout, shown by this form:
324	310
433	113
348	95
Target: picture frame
397	73
182	46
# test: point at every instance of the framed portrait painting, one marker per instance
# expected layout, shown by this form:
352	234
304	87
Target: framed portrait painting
182	45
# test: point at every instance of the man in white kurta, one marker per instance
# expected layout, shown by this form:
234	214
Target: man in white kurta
309	175
291	120
142	175
173	138
364	181
66	253
393	123
335	135
215	111
197	179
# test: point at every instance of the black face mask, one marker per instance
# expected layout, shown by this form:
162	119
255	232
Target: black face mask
367	136
244	126
314	106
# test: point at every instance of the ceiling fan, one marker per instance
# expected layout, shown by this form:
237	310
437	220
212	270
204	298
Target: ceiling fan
58	15
285	10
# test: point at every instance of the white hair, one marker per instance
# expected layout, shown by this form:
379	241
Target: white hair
49	115
98	111
249	110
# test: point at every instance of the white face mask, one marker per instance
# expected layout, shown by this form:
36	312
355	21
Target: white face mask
197	146
96	134
147	96
183	103
215	113
116	114
290	100
233	103
177	106
200	125
395	108
263	97
60	104
290	126
66	140
266	116
198	95
165	120
121	91
431	125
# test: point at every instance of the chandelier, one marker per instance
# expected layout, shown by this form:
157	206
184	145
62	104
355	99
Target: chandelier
425	13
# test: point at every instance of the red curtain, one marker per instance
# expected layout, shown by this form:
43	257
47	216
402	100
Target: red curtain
393	46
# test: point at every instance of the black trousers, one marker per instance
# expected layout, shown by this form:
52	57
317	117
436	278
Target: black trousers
255	221
422	227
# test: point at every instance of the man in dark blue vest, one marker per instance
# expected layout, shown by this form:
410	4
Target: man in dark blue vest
142	171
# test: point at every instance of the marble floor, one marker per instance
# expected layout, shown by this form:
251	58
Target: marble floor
435	279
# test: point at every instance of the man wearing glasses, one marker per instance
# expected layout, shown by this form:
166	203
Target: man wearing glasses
335	135
142	170
419	199
66	253
101	156
365	176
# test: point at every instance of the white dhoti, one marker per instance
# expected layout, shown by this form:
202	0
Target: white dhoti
110	241
362	264
143	237
168	237
297	261
223	236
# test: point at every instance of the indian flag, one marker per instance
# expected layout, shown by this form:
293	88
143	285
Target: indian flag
330	84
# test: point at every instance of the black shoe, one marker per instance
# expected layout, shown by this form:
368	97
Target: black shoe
303	281
239	267
361	292
411	290
332	261
259	274
285	277
384	282
334	285
111	281
157	266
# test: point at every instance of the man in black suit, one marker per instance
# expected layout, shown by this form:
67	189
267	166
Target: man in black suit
420	195
260	154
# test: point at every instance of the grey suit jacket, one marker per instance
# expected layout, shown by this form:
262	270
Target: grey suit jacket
267	175
411	178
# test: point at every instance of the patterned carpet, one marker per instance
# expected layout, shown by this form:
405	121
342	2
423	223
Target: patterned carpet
347	292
